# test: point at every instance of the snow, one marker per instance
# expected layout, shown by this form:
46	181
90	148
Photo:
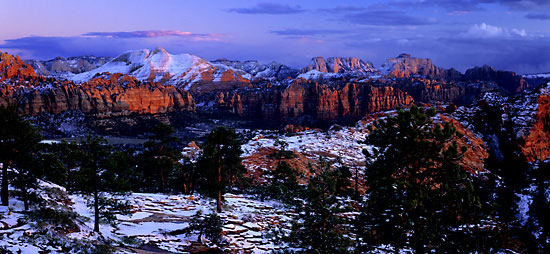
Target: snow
537	75
343	143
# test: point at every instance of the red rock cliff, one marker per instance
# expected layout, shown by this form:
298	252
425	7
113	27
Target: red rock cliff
106	95
305	98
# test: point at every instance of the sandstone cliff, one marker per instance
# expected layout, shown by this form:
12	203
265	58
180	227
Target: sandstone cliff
102	96
304	98
12	68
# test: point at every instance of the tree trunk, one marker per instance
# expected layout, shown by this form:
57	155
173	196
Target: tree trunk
162	180
5	195
219	205
200	236
26	201
96	211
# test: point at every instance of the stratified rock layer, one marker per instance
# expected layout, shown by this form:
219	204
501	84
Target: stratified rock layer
106	95
319	101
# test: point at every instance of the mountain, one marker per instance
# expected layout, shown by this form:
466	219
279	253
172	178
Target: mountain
405	66
254	70
183	70
337	65
64	68
509	81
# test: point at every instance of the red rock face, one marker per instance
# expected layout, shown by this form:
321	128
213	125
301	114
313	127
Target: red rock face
476	150
114	94
11	67
536	145
304	98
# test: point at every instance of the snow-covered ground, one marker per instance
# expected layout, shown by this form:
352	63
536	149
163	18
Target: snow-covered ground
246	222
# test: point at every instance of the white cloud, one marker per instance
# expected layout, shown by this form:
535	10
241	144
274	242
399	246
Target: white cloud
488	31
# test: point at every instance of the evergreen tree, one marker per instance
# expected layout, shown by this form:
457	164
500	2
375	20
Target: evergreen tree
539	221
210	226
19	143
159	161
283	183
418	195
97	176
319	226
220	162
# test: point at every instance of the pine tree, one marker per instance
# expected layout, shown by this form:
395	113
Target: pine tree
160	157
539	222
418	195
210	226
220	162
97	176
319	226
19	142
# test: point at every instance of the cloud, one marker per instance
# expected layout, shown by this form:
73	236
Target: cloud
153	34
107	43
376	15
475	5
269	8
488	31
541	16
387	18
307	32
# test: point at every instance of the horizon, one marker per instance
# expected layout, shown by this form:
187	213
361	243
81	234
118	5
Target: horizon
505	34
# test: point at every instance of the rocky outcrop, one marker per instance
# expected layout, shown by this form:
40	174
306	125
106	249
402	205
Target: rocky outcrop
12	68
405	66
476	153
507	80
310	99
348	65
107	95
433	91
536	144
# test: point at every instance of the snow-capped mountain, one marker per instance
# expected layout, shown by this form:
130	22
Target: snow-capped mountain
160	66
185	70
253	70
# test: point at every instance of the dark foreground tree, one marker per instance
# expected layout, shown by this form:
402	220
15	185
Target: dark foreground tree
220	162
210	226
159	160
320	226
19	144
99	176
539	221
418	195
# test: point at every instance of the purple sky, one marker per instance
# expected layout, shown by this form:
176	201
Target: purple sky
508	34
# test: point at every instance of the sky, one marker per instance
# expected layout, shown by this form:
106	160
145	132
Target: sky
507	34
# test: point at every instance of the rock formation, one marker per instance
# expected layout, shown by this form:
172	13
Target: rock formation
12	68
303	98
507	80
349	65
64	68
405	66
107	95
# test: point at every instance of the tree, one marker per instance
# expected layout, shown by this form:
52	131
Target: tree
160	158
418	195
220	162
97	176
319	226
210	226
19	142
538	221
